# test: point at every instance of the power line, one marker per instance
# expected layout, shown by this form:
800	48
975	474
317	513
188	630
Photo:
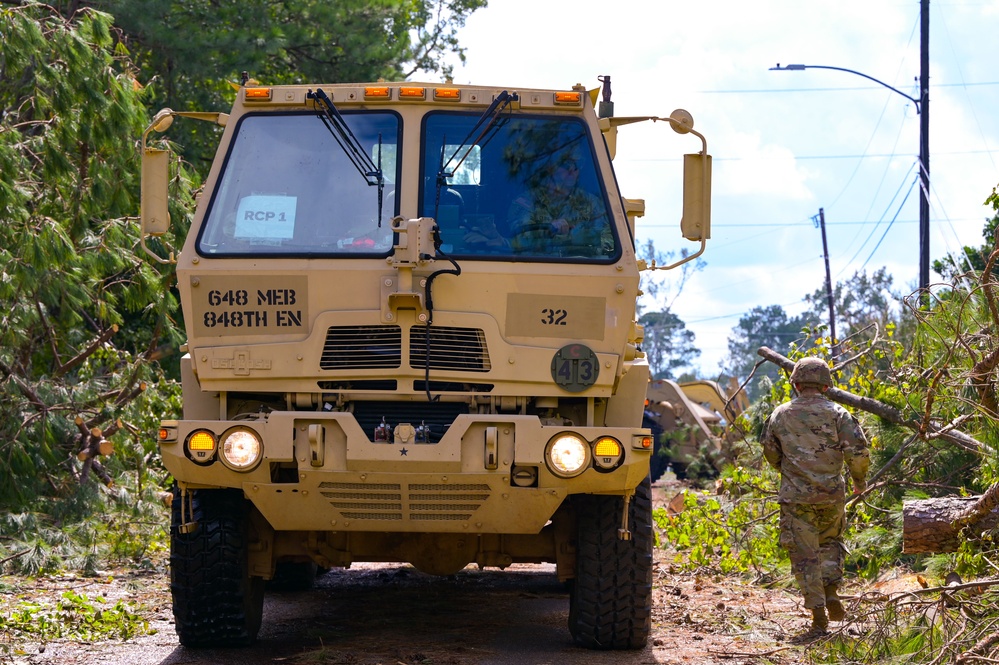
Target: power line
878	223
886	155
890	224
865	87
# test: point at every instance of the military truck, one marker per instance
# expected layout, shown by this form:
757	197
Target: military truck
411	337
691	424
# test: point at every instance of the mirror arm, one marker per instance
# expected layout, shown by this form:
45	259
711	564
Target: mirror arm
159	259
685	259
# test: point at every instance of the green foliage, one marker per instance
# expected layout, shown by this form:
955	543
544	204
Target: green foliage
763	326
64	533
79	336
187	52
736	532
863	305
668	345
77	617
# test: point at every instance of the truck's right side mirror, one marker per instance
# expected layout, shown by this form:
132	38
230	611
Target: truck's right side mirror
155	213
696	221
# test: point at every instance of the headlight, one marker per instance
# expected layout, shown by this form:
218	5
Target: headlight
567	455
241	448
200	446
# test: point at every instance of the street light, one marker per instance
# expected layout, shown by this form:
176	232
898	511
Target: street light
924	161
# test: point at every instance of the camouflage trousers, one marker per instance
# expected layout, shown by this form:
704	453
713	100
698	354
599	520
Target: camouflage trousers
811	535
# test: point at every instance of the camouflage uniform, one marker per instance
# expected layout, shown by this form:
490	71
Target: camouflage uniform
808	439
588	231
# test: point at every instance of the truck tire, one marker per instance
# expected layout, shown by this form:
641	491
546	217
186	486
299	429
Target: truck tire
610	600
659	459
216	603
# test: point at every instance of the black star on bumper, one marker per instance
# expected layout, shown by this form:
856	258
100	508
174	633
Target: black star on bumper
403	452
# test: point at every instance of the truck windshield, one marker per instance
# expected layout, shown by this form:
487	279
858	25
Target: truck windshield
288	189
528	191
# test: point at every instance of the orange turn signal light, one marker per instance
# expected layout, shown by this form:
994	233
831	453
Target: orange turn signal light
413	93
257	94
379	91
607	447
447	93
568	97
201	441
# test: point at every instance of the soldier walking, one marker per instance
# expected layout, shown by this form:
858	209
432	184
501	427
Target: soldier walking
808	440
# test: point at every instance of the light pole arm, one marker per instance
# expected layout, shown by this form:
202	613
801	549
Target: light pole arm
849	71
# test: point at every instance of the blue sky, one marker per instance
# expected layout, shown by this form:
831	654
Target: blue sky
784	143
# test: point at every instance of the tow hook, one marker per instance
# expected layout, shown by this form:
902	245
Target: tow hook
187	523
624	533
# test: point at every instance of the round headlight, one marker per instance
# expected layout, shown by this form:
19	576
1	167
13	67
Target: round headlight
241	449
567	455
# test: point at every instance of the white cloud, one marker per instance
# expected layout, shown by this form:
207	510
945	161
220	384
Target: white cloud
786	143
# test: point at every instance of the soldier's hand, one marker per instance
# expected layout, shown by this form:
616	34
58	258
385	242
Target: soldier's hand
859	487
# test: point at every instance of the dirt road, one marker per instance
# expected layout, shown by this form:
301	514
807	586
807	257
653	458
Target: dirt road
394	615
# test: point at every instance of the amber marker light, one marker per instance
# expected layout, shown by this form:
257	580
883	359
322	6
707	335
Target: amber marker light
202	441
377	92
257	94
201	446
608	453
453	94
568	98
607	447
412	93
642	441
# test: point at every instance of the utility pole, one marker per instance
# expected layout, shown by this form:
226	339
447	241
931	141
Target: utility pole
923	109
924	144
820	221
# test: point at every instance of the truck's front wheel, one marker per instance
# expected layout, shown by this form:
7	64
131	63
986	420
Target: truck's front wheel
610	602
215	600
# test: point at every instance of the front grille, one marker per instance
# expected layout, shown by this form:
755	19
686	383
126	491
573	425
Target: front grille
438	416
462	349
381	502
362	347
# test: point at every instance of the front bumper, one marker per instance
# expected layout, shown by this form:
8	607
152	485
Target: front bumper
321	472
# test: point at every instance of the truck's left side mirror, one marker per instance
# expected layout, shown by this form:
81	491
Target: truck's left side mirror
696	221
155	178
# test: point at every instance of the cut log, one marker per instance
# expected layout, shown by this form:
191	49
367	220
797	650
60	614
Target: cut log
936	525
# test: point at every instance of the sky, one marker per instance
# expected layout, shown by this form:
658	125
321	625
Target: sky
784	143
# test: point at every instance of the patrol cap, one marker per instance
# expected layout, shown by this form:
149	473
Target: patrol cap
812	370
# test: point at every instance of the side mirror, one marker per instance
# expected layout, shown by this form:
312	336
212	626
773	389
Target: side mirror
696	221
155	214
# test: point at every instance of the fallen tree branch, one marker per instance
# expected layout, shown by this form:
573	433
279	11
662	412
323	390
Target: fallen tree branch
886	412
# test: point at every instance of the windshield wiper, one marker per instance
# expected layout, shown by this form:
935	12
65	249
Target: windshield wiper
488	118
351	146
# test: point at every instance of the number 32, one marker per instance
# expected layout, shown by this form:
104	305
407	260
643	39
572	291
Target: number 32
553	317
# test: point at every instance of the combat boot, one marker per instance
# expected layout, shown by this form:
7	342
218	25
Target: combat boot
819	621
818	628
833	604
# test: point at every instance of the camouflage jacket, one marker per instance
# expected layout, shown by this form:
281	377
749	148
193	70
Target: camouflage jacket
808	439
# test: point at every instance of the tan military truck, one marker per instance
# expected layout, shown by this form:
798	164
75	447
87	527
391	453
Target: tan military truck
691	424
410	312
